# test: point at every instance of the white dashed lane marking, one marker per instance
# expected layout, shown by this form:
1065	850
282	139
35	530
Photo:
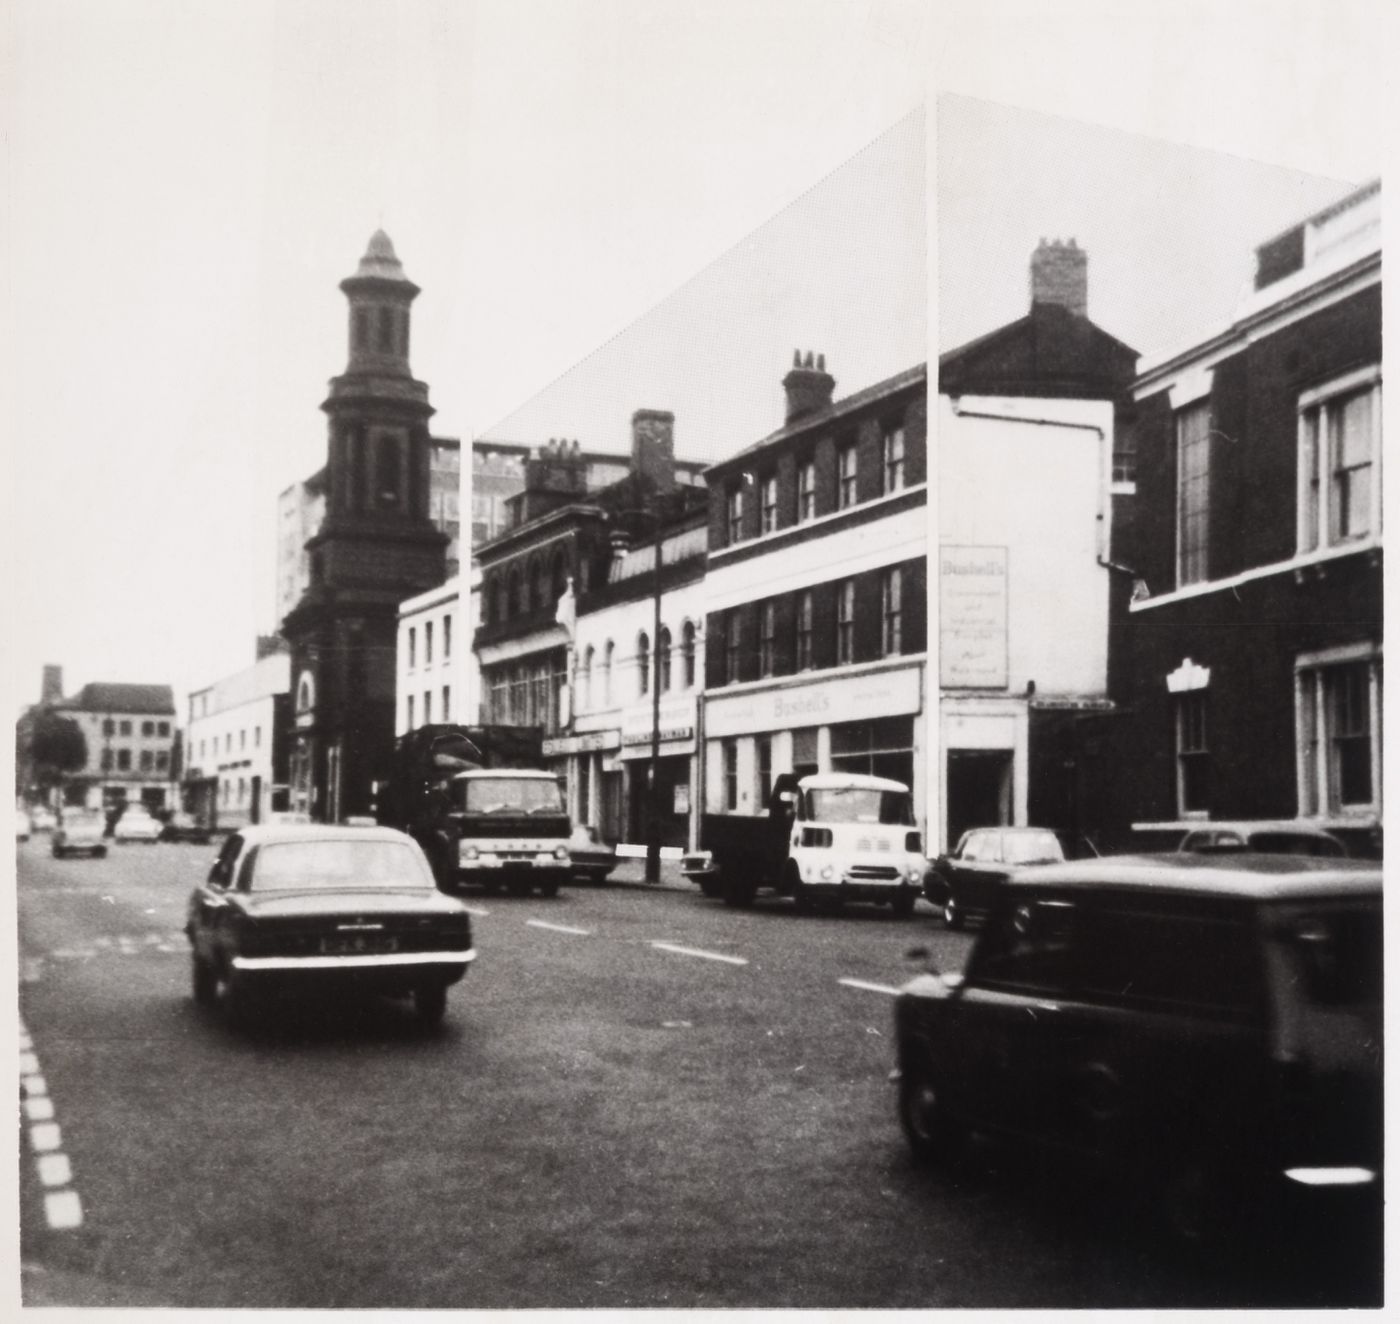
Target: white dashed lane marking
696	951
558	928
869	988
62	1207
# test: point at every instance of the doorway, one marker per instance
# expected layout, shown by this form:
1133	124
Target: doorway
979	790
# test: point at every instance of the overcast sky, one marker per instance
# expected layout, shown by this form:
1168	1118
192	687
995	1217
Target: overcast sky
186	184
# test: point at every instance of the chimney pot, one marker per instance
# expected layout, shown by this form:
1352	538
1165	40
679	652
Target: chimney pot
808	386
1060	275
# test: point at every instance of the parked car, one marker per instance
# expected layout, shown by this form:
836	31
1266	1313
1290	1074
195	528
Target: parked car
963	883
1276	838
593	858
23	825
42	819
295	907
137	824
1208	1029
79	832
185	827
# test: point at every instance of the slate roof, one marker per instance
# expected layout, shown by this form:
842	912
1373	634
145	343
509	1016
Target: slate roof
109	697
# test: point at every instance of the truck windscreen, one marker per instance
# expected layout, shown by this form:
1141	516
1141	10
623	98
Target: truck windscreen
856	804
509	795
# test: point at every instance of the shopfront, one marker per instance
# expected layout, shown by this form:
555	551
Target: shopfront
674	770
866	721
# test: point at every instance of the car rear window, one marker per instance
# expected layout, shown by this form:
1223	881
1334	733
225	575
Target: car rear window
1031	848
294	865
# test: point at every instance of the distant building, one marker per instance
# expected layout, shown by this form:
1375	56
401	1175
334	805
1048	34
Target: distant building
815	595
1255	639
430	659
130	736
236	744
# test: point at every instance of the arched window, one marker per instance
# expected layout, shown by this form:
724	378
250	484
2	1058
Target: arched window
643	663
607	672
663	660
585	679
539	574
386	470
688	655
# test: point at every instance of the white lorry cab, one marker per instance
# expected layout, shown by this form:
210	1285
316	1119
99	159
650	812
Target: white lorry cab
854	838
513	829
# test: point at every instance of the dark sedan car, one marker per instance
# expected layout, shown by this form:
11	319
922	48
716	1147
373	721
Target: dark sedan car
1207	1029
1282	838
301	907
591	856
963	882
185	827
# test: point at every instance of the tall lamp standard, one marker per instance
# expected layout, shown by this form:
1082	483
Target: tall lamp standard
621	541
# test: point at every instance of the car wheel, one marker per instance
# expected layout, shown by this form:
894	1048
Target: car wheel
100	853
903	905
232	995
58	852
429	1003
711	886
933	1136
952	914
203	984
549	889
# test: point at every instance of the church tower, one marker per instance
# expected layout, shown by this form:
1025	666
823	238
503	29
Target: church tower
375	547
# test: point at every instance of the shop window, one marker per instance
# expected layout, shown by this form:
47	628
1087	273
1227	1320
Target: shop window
767	637
729	754
768	503
806	490
892	452
1192	493
846	476
845	622
763	748
883	747
1192	754
1338	724
804	752
891	602
1339	438
804	630
663	660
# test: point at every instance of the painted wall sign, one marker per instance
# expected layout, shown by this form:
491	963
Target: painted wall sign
581	744
972	618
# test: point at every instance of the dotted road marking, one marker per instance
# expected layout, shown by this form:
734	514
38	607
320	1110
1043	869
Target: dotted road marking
62	1207
695	951
869	988
558	928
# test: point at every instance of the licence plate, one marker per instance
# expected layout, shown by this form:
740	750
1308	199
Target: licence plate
358	945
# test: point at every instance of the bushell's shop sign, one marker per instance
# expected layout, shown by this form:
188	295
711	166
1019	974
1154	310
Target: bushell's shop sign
889	693
972	639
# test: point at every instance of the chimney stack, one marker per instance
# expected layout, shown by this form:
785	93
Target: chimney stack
51	690
1060	274
654	449
808	385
